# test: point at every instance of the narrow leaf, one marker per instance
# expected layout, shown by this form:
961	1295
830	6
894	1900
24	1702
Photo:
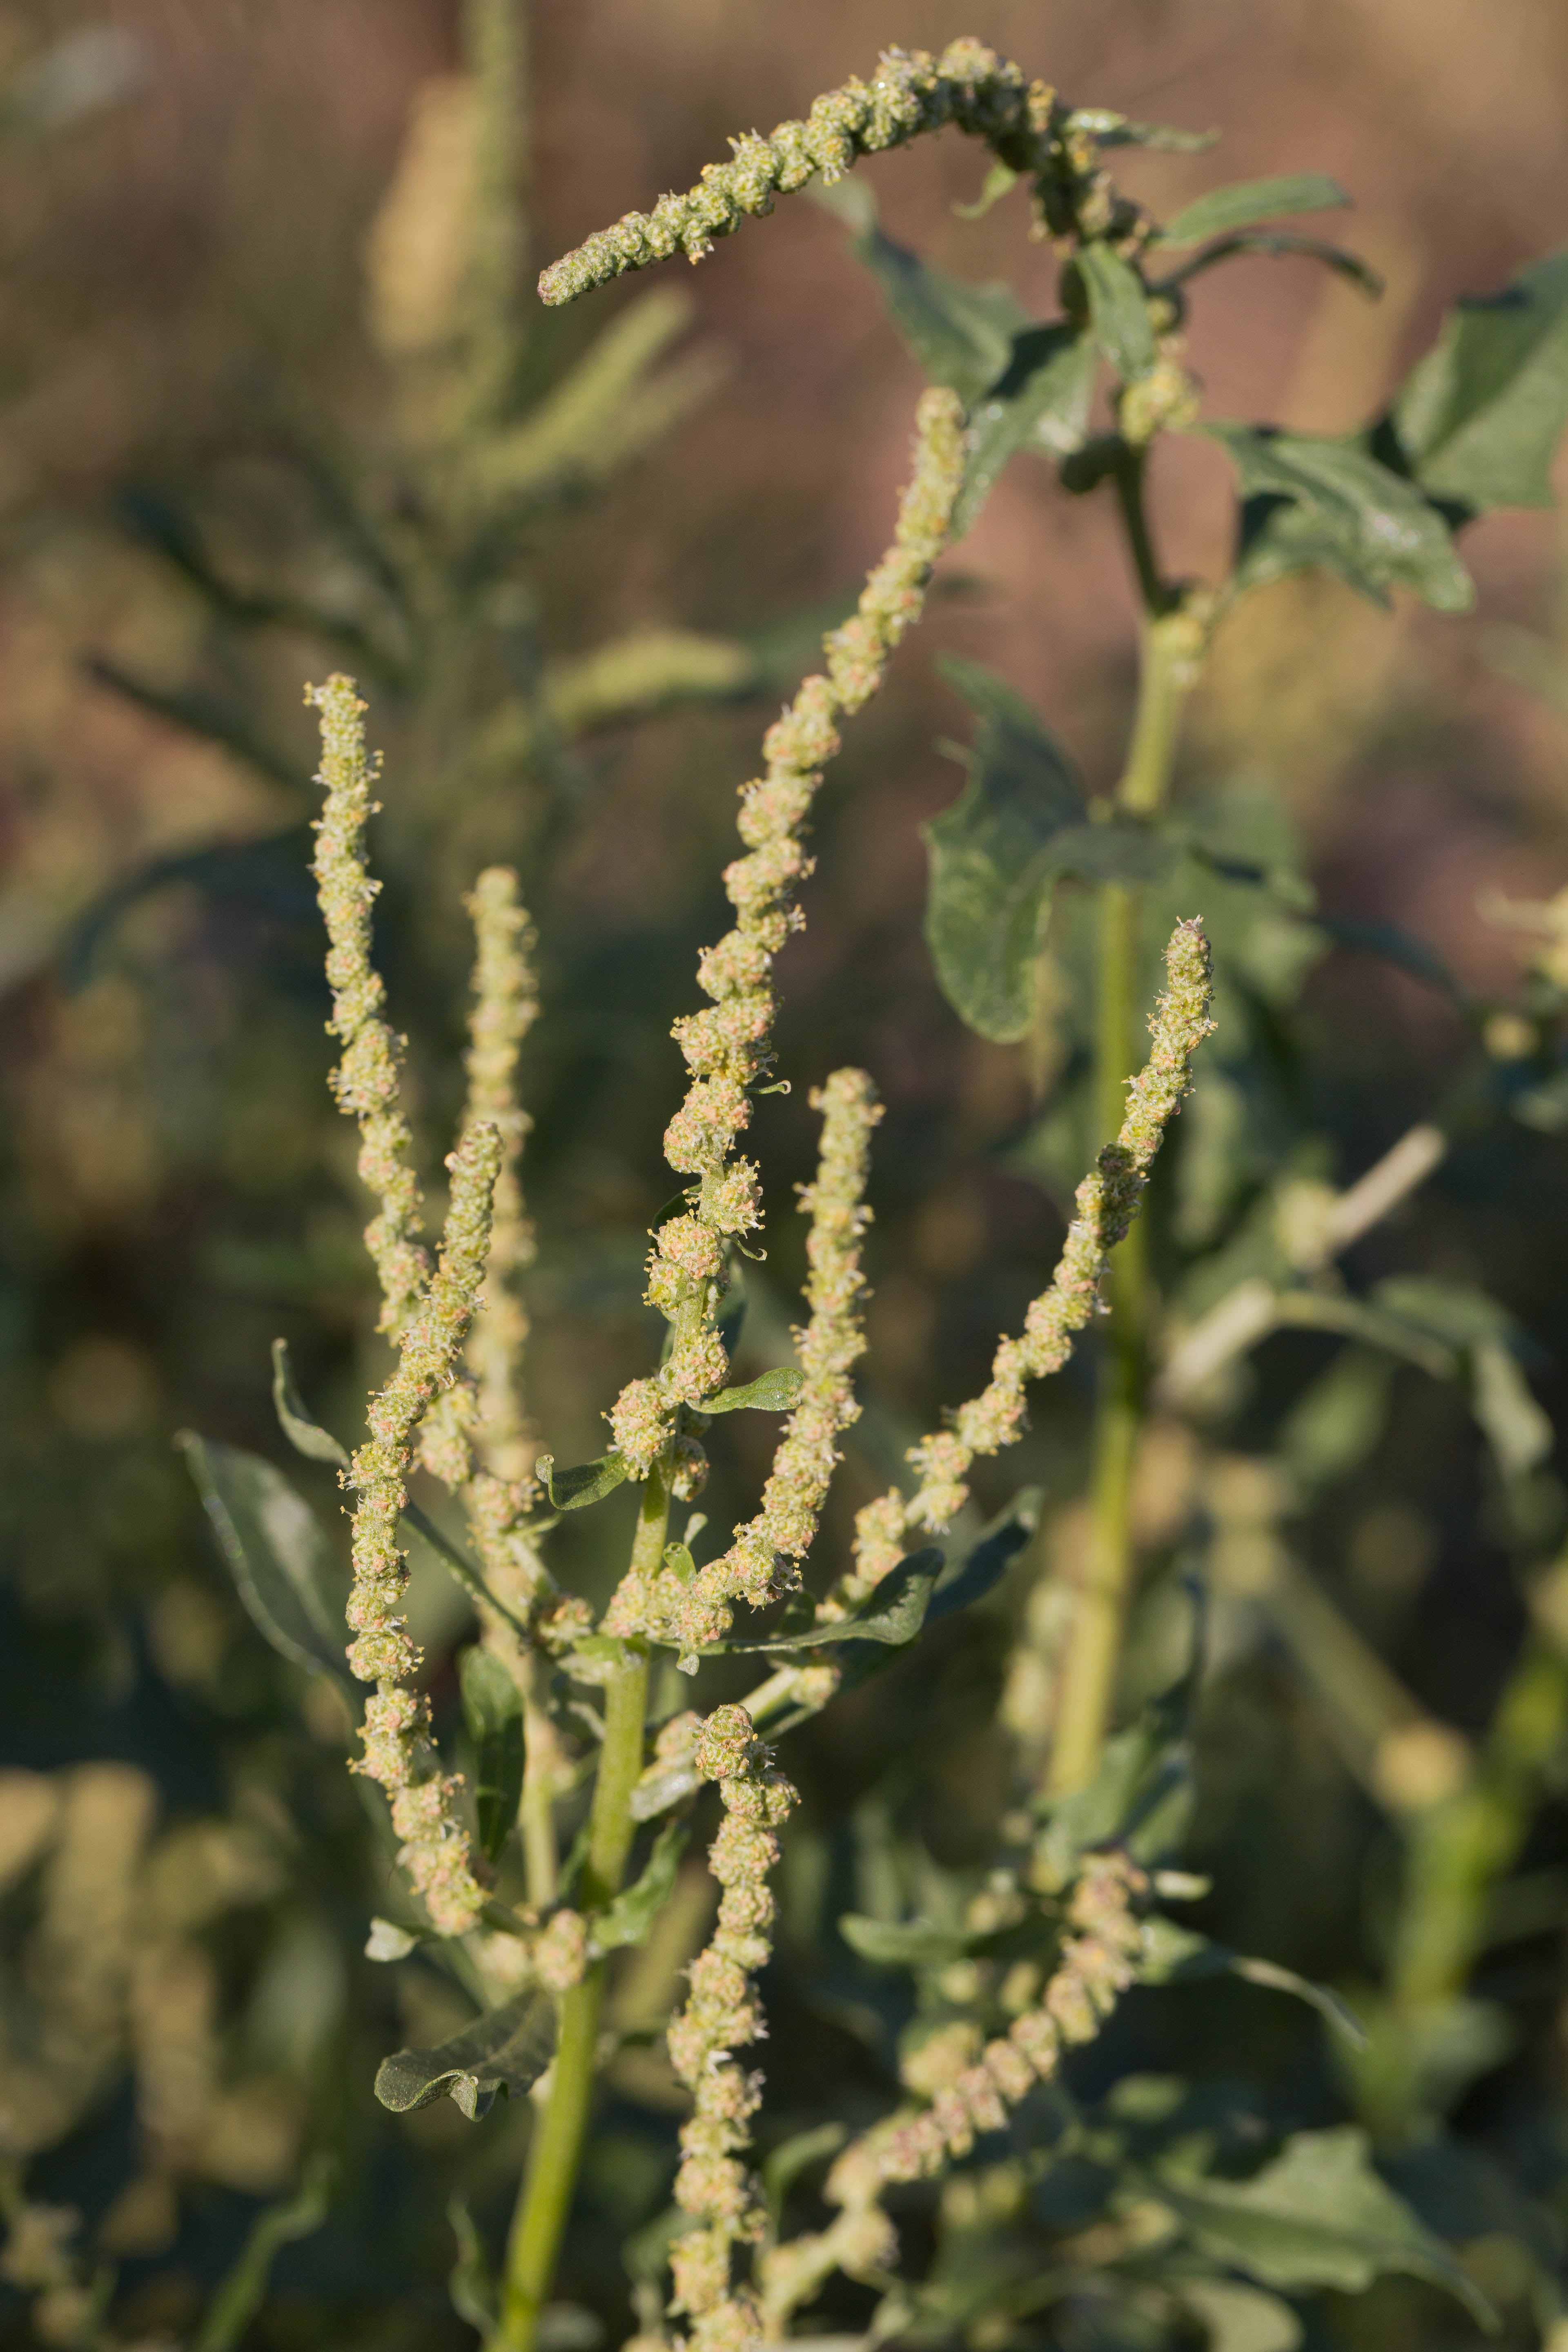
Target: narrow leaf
903	1943
998	181
1247	201
1278	244
240	2294
630	1917
492	1709
1312	501
276	1550
470	2289
892	1615
1177	1955
1119	311
993	858
589	1481
1478	420
306	1436
508	2049
774	1391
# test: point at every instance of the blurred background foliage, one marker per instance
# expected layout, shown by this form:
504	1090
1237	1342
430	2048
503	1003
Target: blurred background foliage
266	407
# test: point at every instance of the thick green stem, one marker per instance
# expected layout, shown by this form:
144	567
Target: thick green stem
1167	649
555	2150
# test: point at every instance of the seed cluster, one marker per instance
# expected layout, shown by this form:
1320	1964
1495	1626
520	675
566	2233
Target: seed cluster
720	2016
726	1047
911	93
1107	1201
1099	1961
505	1007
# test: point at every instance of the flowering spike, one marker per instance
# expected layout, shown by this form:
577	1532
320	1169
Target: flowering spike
1108	1201
722	2016
727	1047
365	1081
911	93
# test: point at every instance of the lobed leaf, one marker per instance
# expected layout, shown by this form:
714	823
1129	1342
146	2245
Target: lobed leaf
508	2049
994	858
1312	501
1318	2216
277	1552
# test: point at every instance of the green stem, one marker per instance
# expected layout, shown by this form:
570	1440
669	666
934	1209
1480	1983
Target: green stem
555	2150
1167	647
1463	1847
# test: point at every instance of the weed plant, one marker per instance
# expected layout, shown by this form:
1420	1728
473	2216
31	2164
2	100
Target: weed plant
758	2064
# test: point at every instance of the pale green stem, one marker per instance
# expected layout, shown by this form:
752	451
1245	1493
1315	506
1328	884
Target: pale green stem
555	2150
1094	1642
536	1817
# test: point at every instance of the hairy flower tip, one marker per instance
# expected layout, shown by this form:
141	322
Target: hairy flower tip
1107	1202
911	92
367	1081
728	1048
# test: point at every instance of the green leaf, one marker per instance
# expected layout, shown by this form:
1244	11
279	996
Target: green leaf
774	1391
1277	244
1177	1955
1246	201
998	181
1515	1427
632	1914
1316	502
1238	2318
470	2288
508	2049
1478	419
1118	310
241	2292
1116	130
1142	1792
994	858
276	1550
1318	2216
962	335
492	1709
1041	402
903	1943
306	1436
991	1558
892	1615
589	1481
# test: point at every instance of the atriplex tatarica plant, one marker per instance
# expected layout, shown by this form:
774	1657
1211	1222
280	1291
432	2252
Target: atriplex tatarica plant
1025	2181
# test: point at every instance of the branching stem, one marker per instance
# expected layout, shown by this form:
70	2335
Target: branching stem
1169	643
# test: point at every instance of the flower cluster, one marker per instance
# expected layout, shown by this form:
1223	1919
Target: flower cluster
911	92
428	1313
828	1349
398	1749
365	1081
505	1007
722	2016
1107	1201
726	1047
970	2094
